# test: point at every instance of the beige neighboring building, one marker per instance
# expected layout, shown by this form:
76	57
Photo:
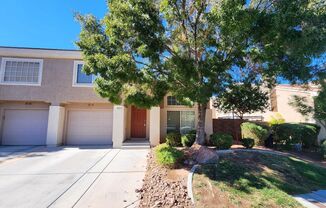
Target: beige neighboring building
280	97
46	99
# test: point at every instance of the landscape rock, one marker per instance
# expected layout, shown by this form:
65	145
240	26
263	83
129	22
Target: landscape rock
205	155
161	190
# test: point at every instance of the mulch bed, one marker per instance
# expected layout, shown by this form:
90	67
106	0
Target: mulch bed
164	187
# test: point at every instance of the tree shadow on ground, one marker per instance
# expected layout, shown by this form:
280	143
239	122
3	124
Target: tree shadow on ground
249	172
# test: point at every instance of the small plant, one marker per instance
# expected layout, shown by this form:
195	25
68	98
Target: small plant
168	156
173	139
248	143
221	140
192	131
258	132
276	119
323	148
188	139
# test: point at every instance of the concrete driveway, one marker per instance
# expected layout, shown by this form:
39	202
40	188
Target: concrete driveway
70	176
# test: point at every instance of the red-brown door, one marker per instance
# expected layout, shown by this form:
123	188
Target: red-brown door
138	122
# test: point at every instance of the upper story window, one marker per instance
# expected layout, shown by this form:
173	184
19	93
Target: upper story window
16	71
80	78
172	100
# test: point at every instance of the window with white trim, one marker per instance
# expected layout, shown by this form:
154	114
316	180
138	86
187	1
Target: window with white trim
80	77
180	121
21	71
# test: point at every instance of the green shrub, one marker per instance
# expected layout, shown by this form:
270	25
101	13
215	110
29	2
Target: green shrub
248	143
168	156
323	148
310	134
277	118
221	140
173	139
316	126
192	132
286	133
291	133
188	139
258	132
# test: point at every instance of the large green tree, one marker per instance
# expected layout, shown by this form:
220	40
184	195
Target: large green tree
193	49
242	98
315	108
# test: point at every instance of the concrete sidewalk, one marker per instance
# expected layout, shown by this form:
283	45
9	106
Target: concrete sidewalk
316	199
72	177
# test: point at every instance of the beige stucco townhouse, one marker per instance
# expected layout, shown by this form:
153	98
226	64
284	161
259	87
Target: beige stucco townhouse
46	99
280	97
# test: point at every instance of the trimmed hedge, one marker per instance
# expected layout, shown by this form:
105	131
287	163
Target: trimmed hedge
173	139
168	156
258	132
292	133
248	143
316	126
310	137
192	131
188	139
221	140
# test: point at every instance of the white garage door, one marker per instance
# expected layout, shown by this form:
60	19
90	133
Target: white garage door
25	127
89	127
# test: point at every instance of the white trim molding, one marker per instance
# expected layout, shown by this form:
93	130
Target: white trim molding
2	71
74	76
40	53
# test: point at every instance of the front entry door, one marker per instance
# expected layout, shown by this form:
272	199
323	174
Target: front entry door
138	122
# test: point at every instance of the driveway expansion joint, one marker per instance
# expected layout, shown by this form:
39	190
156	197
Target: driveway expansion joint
66	177
96	178
75	182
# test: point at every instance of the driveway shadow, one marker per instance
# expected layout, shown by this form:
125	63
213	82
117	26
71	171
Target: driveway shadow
10	152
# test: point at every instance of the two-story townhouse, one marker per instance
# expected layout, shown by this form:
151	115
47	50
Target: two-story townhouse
279	102
46	99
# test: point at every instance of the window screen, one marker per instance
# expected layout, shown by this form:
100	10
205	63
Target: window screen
21	71
172	100
187	121
173	121
83	78
180	121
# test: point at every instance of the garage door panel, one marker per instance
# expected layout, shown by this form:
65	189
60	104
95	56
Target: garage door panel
25	127
89	127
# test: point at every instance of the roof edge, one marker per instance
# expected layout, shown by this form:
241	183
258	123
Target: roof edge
36	48
8	51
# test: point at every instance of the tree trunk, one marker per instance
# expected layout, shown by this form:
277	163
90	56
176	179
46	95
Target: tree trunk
323	123
200	134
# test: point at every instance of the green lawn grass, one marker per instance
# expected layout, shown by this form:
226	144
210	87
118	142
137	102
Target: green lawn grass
256	180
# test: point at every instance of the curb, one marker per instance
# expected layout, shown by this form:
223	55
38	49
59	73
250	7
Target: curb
304	202
221	152
189	183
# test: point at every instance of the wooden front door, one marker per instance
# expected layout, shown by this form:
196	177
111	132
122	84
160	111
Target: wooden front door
138	122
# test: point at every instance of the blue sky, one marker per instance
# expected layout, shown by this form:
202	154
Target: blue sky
44	23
